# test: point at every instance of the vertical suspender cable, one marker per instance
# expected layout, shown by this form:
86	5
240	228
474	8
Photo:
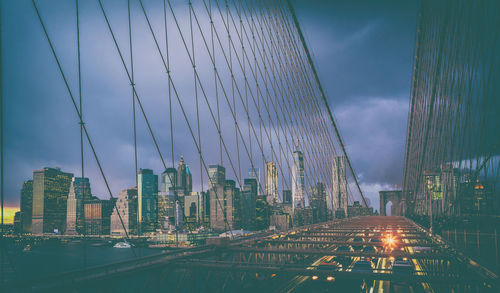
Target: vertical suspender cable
212	28
195	85
81	205
1	157
170	88
132	84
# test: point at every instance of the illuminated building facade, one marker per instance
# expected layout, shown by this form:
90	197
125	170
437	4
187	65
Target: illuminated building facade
272	183
79	192
50	194
298	182
126	206
147	199
26	206
339	187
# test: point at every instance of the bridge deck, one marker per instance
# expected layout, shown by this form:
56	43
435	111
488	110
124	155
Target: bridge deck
297	258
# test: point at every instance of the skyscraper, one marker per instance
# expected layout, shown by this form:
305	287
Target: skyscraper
126	208
168	179
79	192
221	195
26	206
298	183
449	181
182	176
50	193
98	215
189	180
93	216
147	198
287	196
166	209
255	174
272	183
339	186
194	206
248	202
216	174
318	203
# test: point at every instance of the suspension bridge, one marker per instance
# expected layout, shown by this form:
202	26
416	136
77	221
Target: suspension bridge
240	90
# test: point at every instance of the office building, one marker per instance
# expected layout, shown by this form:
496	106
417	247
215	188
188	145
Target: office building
50	194
217	175
248	204
79	192
98	216
272	183
357	210
168	179
166	209
93	216
26	206
298	182
126	208
318	203
147	199
254	173
194	205
339	187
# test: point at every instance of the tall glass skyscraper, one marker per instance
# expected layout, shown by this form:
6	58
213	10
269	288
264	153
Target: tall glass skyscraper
147	190
50	194
298	182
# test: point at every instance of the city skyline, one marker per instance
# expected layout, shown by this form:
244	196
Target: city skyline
312	18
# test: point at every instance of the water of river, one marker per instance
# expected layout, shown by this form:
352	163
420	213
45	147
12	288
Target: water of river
47	259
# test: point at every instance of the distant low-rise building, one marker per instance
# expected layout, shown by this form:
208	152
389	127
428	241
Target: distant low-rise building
357	210
280	222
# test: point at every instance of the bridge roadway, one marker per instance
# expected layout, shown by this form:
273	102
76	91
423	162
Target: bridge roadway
321	257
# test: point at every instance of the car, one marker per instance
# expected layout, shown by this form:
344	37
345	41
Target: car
357	247
369	248
402	267
328	266
344	248
344	260
363	266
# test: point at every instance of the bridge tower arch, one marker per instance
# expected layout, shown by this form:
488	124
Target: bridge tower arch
396	198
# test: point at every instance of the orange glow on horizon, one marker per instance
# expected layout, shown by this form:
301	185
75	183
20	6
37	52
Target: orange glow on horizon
8	214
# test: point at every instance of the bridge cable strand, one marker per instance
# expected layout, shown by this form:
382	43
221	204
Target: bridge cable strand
84	256
132	84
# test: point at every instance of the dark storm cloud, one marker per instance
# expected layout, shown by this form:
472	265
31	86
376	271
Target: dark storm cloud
363	53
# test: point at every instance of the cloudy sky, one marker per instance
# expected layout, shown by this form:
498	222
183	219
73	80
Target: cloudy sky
363	51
